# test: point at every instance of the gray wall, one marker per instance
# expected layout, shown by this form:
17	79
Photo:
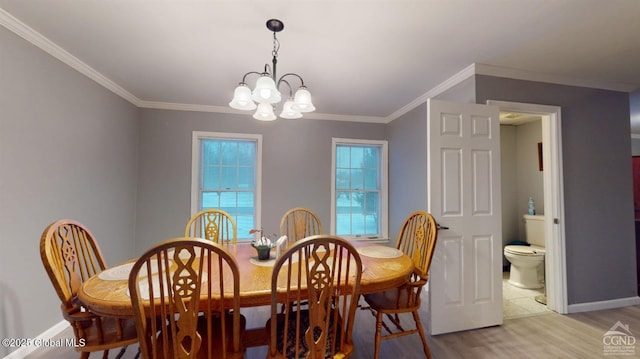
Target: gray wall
407	167
67	150
599	223
296	171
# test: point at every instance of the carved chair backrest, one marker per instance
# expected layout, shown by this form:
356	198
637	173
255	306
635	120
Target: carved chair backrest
417	239
213	224
298	223
171	285
70	256
320	275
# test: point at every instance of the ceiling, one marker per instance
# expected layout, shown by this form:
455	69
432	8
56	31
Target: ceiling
361	60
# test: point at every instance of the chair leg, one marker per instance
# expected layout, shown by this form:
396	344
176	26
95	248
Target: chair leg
379	319
84	355
105	354
416	317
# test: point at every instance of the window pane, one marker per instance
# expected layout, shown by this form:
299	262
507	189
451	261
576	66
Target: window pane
342	179
211	178
372	202
371	179
246	153
343	202
357	157
228	202
210	200
357	179
243	225
343	224
342	156
229	177
372	157
211	152
357	202
357	224
229	153
246	178
245	203
371	221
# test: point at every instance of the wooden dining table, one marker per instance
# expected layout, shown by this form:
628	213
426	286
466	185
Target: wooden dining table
384	268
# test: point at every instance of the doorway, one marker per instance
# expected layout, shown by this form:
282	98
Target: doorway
551	161
522	189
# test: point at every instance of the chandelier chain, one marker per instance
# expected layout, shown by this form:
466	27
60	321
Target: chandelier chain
276	46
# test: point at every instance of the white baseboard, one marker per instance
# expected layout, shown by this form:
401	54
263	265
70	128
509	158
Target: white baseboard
605	304
46	335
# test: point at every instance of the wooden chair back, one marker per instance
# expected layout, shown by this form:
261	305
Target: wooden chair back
182	291
70	255
298	223
320	275
213	224
417	239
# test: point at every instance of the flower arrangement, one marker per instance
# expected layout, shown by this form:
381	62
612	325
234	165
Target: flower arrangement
263	244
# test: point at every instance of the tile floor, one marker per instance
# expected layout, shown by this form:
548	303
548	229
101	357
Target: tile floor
519	302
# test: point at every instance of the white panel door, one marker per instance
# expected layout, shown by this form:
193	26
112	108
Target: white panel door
465	281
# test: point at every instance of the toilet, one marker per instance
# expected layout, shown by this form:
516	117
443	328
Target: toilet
527	261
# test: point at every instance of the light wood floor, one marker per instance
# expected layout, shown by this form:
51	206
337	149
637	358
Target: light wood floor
542	336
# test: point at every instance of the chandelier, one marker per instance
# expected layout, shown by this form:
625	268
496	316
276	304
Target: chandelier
265	95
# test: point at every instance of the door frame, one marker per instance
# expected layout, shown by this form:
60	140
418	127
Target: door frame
555	260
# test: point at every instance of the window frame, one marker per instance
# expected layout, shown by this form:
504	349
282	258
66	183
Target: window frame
196	168
384	185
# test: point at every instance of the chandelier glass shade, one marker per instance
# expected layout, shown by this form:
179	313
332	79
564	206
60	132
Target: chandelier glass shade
266	95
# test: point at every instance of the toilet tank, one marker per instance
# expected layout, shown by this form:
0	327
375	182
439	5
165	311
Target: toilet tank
534	229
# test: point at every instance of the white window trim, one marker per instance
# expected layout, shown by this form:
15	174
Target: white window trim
384	200
195	166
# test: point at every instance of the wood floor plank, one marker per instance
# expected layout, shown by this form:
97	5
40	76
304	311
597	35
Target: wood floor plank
544	336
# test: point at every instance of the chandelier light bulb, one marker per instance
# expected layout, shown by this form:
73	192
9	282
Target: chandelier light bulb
288	111
264	112
302	100
266	91
242	98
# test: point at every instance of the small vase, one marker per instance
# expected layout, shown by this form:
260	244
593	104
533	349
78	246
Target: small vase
264	252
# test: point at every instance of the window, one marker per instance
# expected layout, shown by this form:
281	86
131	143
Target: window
226	172
359	188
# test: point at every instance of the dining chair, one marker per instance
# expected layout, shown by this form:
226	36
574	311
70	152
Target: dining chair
212	224
417	239
325	272
298	223
185	294
70	255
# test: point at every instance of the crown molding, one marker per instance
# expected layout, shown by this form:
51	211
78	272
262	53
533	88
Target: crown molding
348	118
158	105
222	109
442	87
21	29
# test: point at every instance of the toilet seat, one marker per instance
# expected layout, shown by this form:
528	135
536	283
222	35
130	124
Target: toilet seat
525	250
